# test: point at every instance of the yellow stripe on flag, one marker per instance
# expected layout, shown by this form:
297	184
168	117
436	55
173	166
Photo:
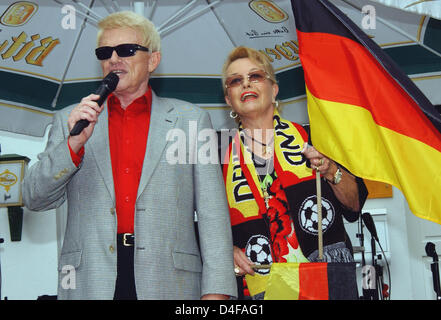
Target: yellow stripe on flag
256	284
349	135
283	282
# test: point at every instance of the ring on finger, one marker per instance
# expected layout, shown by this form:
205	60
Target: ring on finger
236	270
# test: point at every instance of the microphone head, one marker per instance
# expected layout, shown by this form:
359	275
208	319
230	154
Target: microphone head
111	81
369	223
430	250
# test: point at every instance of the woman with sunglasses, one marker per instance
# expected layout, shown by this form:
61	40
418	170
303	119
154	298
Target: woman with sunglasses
270	188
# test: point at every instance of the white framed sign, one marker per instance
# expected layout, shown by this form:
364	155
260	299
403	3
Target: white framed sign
11	175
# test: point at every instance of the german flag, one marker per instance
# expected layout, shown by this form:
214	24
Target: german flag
312	281
364	112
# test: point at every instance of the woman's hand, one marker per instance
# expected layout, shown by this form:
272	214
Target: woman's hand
242	265
319	162
346	190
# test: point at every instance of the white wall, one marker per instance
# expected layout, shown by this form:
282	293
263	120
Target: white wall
29	266
420	232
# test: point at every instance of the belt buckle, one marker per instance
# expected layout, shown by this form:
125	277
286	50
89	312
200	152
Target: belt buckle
125	243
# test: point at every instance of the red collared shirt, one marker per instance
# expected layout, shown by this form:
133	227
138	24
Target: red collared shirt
128	131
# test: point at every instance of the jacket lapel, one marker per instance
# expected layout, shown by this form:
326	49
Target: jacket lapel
162	119
99	144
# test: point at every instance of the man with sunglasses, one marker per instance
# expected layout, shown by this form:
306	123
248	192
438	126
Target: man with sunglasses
130	230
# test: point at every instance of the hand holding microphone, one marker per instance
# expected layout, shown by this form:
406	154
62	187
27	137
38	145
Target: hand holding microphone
107	86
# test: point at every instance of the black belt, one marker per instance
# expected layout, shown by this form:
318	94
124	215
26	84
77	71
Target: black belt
125	280
126	239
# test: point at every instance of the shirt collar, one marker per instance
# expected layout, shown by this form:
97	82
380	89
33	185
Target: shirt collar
137	106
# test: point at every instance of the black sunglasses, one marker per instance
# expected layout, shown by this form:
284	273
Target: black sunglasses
122	50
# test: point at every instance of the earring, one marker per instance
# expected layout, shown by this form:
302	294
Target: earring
233	114
276	104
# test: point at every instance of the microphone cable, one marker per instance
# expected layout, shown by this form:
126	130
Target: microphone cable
388	271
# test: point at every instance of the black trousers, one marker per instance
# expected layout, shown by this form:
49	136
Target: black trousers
125	280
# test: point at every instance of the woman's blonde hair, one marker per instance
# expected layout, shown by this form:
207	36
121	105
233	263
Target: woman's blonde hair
128	19
255	56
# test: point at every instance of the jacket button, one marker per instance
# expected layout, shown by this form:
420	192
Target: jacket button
112	211
111	249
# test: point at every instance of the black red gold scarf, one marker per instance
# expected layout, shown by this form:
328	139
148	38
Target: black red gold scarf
245	196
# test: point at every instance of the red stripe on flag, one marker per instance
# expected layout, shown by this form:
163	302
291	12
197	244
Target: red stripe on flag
341	70
313	281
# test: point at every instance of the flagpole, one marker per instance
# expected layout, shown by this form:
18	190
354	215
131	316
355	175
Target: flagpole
319	214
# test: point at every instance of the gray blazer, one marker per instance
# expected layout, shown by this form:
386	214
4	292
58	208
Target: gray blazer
168	262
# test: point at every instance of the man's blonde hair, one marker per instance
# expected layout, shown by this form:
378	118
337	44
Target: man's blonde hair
255	56
128	19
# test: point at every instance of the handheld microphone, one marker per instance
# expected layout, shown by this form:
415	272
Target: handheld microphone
370	225
107	86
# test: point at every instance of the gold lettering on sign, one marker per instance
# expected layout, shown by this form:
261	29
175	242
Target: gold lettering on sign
7	179
37	55
18	41
26	48
288	50
22	48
